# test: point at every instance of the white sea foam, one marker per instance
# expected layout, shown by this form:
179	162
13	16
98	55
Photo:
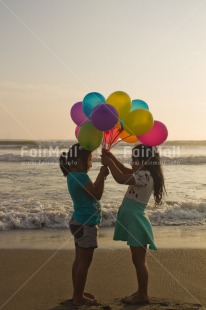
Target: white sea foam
30	214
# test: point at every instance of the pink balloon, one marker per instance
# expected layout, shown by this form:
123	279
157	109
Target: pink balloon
77	114
156	136
77	129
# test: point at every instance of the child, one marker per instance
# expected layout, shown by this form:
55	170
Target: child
86	215
132	223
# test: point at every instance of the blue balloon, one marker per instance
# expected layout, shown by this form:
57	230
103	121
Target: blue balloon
90	101
139	104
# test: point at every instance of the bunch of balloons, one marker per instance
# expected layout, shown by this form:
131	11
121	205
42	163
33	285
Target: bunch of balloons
117	118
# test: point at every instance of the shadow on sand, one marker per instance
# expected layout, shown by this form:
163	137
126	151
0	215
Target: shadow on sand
117	304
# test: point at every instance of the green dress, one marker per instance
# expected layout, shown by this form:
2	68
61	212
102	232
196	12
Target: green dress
133	224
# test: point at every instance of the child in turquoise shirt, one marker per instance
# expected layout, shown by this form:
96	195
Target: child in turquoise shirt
86	216
87	209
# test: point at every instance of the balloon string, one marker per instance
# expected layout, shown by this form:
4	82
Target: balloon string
120	141
110	139
115	144
104	140
115	136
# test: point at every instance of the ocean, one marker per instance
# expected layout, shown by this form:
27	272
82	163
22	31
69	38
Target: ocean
34	195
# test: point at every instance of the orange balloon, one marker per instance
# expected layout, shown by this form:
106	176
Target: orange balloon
118	125
126	137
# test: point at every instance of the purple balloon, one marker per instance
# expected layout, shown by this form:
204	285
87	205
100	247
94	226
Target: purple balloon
104	117
156	136
77	114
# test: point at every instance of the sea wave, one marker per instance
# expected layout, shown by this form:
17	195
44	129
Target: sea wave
35	143
57	142
30	214
181	160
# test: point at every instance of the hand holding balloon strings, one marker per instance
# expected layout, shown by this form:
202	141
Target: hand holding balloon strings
105	171
105	159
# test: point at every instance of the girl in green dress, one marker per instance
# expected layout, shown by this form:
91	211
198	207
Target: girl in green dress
132	223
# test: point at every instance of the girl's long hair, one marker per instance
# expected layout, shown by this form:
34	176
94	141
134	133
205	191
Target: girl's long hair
149	158
68	159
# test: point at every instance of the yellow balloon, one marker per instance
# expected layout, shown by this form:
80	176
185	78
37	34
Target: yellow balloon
121	102
127	137
138	122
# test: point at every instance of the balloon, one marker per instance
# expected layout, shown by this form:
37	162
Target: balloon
89	137
118	125
156	136
104	117
122	103
122	123
139	104
77	129
138	122
90	101
111	136
126	137
77	114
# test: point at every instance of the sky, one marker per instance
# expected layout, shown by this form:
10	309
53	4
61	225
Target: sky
54	52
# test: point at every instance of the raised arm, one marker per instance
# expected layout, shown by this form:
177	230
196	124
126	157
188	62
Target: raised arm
96	189
119	165
121	178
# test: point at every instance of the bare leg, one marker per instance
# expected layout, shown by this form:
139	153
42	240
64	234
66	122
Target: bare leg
74	269
80	275
75	264
139	261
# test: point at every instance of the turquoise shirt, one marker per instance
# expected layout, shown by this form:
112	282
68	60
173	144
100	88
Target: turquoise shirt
86	209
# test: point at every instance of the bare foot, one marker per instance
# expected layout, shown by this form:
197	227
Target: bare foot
85	301
85	294
89	295
130	295
137	299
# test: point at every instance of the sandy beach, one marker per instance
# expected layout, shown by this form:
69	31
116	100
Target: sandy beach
35	278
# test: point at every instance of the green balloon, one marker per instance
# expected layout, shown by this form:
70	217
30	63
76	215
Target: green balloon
89	137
